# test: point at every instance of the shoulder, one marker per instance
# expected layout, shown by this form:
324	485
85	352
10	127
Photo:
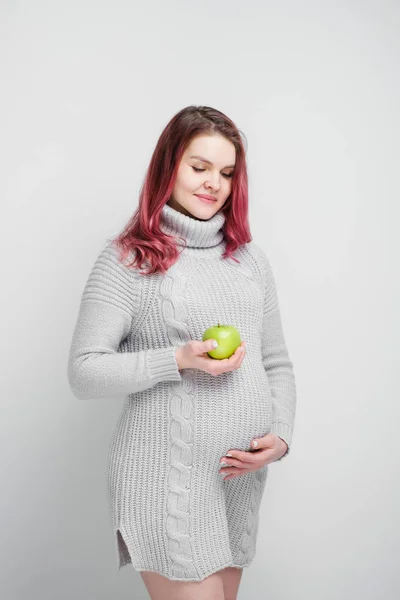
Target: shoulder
257	251
109	262
256	258
111	281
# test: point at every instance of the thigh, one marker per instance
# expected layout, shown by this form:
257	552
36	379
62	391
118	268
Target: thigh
162	588
231	577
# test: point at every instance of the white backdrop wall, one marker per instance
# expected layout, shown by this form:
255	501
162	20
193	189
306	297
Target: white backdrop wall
87	88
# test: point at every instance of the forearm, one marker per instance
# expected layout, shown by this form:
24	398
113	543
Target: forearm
279	369
97	375
275	357
95	367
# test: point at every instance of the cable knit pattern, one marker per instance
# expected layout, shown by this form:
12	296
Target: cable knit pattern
180	425
170	508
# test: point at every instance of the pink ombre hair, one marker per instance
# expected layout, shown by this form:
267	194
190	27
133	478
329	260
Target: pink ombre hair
142	234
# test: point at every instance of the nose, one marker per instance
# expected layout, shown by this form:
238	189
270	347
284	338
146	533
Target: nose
213	183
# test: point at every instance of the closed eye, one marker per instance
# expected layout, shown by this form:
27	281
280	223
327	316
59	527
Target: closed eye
228	176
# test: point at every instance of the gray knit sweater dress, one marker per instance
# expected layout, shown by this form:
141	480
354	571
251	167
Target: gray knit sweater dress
171	510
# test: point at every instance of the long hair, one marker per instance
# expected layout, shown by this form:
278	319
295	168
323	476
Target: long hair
142	234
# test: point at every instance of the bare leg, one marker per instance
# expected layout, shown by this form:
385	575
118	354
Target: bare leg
231	577
162	588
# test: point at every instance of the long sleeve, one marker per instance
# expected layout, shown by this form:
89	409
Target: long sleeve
275	358
108	310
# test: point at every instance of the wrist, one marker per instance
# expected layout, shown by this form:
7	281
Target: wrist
178	357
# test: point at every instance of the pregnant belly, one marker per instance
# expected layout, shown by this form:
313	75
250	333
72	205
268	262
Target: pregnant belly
205	415
231	410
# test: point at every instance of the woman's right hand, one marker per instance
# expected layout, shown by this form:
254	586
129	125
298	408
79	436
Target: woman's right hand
193	355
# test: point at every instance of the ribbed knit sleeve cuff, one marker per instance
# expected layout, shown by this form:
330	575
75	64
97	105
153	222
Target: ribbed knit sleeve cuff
284	431
162	365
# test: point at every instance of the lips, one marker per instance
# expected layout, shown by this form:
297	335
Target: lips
206	197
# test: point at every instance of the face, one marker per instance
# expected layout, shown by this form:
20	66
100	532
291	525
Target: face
206	168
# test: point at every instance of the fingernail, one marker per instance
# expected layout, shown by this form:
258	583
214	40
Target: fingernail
214	344
255	444
228	455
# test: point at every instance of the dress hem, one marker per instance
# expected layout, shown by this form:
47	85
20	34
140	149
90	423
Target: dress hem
140	568
125	559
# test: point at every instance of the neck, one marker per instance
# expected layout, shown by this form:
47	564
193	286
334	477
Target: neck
196	232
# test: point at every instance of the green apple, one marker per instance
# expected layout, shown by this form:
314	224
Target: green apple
228	338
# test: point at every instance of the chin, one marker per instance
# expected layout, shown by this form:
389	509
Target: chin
203	209
196	209
204	214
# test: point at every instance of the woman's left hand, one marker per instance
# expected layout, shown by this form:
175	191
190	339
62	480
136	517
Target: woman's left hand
270	448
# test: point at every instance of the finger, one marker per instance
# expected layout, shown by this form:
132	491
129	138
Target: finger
231	469
228	364
240	457
241	351
248	456
232	463
237	474
237	356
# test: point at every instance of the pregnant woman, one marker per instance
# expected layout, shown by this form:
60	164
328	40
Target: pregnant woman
184	478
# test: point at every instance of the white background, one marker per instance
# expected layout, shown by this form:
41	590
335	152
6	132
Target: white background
87	88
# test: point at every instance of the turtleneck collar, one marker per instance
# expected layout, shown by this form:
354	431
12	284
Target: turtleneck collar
196	232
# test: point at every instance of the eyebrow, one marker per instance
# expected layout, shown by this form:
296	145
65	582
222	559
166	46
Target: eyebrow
209	161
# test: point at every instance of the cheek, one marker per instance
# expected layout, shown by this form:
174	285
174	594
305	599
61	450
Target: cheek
185	185
192	184
227	187
188	182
